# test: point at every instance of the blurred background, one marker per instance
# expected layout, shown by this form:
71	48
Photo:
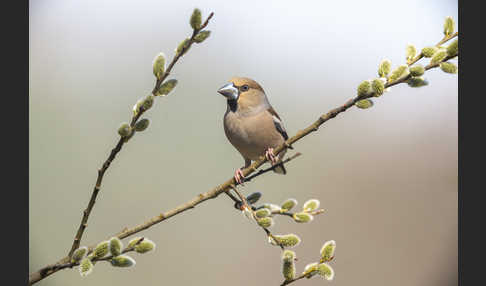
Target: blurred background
386	176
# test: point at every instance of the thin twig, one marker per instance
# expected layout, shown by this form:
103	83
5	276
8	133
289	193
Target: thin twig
72	264
445	39
261	172
290	214
247	206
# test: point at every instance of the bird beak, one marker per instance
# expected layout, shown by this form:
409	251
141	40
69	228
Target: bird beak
229	91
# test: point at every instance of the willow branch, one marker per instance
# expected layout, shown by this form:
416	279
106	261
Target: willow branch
445	39
248	208
121	141
72	264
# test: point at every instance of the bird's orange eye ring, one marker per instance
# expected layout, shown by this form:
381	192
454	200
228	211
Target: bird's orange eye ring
244	87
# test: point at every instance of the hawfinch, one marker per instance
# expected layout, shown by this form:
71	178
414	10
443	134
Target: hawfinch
251	124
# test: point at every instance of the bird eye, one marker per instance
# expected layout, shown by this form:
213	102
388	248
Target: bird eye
244	88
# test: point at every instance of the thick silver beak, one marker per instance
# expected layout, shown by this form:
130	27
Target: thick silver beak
229	91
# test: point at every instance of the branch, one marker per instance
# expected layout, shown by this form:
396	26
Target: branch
57	267
119	145
445	39
247	207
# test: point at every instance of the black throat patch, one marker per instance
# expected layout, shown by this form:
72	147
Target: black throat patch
233	105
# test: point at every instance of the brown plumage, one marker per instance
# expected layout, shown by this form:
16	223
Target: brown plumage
251	124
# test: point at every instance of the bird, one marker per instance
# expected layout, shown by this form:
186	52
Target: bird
251	124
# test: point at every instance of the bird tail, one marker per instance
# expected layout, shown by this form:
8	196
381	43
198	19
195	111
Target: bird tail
280	169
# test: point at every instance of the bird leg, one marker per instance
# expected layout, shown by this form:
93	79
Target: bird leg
239	174
270	156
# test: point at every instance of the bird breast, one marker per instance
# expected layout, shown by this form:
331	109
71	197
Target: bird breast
251	135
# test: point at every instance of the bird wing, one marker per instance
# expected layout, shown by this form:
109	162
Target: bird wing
278	123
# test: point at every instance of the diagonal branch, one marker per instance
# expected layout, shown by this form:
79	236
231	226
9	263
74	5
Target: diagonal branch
445	39
121	141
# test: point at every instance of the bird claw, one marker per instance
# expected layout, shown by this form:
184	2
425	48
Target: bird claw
270	156
238	176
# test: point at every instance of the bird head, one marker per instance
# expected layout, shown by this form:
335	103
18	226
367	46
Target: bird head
245	93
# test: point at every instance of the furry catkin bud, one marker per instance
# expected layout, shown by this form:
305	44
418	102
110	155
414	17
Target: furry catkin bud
410	52
132	132
85	267
417	82
159	65
364	88
365	103
79	254
167	87
310	270
429	51
311	205
325	271
288	269
253	197
101	249
265	222
196	19
440	55
287	240
288	204
288	255
148	102
183	46
263	212
116	246
398	73
122	261
384	68
448	26
145	246
134	241
124	130
136	107
327	251
453	48
417	70
142	124
378	87
448	67
203	35
302	217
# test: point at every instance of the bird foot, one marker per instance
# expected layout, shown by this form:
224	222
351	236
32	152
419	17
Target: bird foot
239	176
270	156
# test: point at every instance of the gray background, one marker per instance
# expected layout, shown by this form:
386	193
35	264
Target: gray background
387	176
